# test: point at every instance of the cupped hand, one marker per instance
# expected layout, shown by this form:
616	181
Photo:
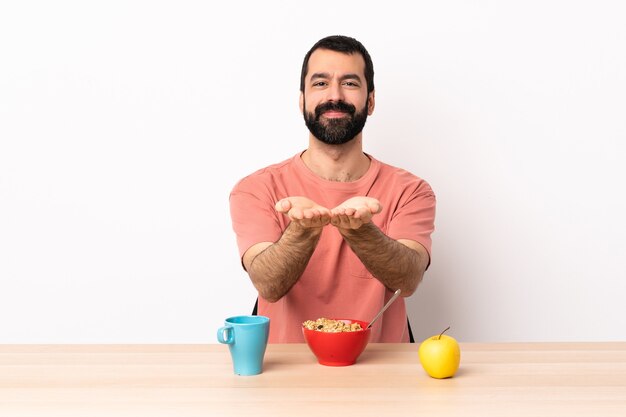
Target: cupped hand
304	211
355	212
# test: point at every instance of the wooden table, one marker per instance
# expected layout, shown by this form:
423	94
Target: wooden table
539	379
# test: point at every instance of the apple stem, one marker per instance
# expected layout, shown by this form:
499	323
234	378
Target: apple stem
441	334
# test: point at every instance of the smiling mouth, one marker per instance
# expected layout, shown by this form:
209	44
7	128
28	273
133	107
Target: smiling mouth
331	114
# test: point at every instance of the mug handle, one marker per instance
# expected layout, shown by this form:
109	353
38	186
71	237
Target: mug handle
220	335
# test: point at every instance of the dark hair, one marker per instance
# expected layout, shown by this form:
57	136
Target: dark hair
345	45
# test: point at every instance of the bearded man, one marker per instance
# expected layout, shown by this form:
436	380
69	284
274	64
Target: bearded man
333	232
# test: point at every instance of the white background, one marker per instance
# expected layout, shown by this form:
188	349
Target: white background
124	125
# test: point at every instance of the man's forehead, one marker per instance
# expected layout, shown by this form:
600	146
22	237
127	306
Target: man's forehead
335	63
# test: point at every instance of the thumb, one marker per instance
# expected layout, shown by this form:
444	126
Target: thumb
375	207
283	206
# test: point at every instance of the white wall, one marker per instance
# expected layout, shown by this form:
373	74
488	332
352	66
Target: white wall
124	125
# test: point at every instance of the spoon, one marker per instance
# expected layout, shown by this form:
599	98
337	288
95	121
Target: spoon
380	313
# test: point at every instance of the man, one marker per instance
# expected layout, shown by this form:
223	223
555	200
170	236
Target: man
333	232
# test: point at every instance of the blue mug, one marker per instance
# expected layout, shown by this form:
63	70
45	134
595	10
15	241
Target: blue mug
246	337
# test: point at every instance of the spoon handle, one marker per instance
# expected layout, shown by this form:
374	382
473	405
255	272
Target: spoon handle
380	313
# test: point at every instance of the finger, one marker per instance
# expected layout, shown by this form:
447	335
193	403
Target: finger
375	207
312	214
322	218
355	223
324	211
362	213
318	222
337	221
283	206
343	221
296	214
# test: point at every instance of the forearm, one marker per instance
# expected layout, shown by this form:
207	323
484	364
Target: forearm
277	268
391	262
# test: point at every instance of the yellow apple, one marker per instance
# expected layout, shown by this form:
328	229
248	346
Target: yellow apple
440	355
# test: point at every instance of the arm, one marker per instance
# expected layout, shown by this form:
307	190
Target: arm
395	263
275	267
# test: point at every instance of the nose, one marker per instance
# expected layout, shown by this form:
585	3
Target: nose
335	93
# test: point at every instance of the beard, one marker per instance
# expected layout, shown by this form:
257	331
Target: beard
335	131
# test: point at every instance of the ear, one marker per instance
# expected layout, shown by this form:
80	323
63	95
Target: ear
301	102
371	103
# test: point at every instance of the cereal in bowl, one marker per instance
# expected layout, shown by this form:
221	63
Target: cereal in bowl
331	326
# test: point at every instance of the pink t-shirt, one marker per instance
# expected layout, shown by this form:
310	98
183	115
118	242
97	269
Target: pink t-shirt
335	283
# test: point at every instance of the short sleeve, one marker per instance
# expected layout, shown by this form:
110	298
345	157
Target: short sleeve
414	217
253	216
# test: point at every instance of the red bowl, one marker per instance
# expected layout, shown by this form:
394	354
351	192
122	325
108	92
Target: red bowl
338	349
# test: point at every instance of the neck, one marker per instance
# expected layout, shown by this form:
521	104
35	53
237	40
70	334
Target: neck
342	163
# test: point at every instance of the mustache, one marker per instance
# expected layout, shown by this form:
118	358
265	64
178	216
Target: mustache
336	106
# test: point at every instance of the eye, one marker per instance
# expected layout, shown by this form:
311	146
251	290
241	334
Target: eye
319	84
351	84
